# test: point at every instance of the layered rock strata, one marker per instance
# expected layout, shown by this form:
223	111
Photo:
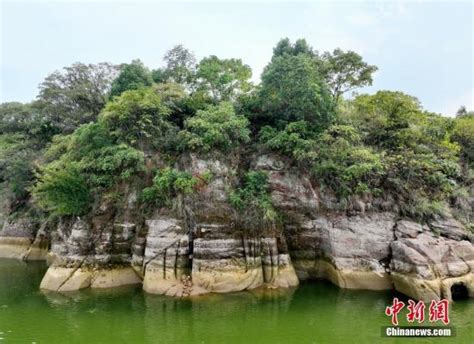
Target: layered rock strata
195	245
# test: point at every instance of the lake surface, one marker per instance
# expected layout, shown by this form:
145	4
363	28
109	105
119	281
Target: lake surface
315	312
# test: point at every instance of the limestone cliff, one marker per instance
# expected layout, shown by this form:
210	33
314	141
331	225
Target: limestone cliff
198	245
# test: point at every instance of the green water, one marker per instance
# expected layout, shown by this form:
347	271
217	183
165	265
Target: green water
315	312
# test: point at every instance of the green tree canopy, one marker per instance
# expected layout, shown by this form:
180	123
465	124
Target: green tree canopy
463	133
137	116
285	47
345	71
75	95
84	164
217	127
180	65
384	116
293	89
27	120
223	79
132	76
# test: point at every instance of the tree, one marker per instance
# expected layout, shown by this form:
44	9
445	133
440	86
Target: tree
23	133
462	111
75	95
180	65
132	77
14	117
224	79
463	133
385	117
285	47
293	89
345	71
342	70
27	120
136	117
16	170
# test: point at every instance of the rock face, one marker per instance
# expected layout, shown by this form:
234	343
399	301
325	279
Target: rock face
166	261
23	240
96	252
427	267
352	252
196	245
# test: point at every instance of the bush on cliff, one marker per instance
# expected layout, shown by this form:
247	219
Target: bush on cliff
296	140
137	117
168	183
345	165
16	170
217	127
91	160
63	190
463	134
253	202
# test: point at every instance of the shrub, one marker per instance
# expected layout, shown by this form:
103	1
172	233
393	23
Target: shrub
168	183
90	160
296	140
253	199
425	174
344	164
63	190
136	117
423	209
463	133
218	127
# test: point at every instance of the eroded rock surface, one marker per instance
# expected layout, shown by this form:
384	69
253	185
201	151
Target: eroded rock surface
352	252
21	239
196	245
425	266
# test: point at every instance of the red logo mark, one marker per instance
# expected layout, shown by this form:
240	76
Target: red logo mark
439	311
417	311
394	310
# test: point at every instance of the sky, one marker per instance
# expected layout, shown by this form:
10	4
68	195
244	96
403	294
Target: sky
421	48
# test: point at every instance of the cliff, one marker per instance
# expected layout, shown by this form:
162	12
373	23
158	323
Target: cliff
201	244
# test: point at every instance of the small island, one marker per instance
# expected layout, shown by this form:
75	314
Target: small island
192	179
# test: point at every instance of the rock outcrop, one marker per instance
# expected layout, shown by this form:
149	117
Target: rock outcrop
352	252
22	239
425	266
197	246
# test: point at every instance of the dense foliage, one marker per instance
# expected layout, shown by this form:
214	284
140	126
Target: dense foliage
132	77
84	164
168	183
95	127
217	127
293	89
76	95
136	116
